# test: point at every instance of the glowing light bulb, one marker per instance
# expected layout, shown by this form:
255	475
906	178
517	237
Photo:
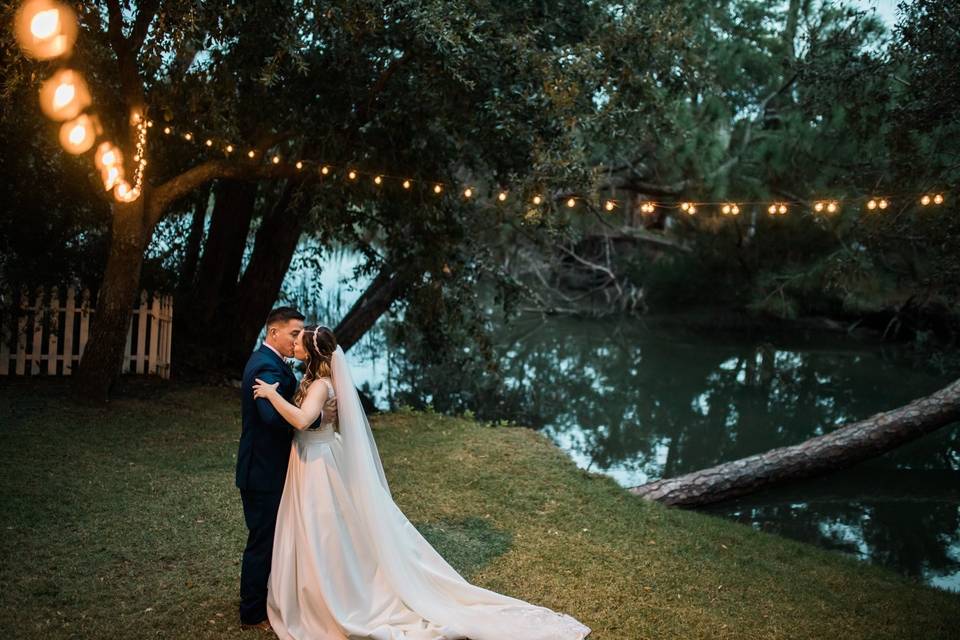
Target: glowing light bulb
609	205
772	209
111	176
45	24
251	153
685	206
325	170
468	192
107	155
925	200
726	209
188	136
64	95
352	175
831	207
166	130
406	184
437	189
209	142
229	148
882	204
537	199
502	197
150	123
79	134
276	160
692	210
378	180
735	210
938	199
818	206
299	165
871	204
782	209
45	29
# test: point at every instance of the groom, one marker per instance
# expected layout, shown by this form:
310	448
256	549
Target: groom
262	459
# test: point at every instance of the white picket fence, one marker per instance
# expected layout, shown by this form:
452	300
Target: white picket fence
50	338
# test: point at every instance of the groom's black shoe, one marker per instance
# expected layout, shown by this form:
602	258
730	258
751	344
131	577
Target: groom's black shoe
263	625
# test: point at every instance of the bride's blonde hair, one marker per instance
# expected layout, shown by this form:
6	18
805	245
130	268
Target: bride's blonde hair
319	343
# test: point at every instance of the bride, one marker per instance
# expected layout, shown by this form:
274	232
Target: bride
346	562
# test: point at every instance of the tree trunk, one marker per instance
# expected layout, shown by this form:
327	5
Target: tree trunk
387	287
103	355
260	285
844	447
192	254
223	253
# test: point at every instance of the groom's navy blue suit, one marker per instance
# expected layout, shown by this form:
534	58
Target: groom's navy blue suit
261	470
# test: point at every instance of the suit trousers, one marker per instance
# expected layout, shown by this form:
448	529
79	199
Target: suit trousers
260	513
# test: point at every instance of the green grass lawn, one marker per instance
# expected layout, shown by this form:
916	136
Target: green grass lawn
124	523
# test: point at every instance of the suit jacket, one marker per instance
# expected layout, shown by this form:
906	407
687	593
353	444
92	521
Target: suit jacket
265	440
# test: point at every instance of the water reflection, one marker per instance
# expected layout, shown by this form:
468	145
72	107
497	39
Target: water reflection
645	400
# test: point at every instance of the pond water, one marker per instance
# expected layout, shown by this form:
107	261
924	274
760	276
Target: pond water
644	398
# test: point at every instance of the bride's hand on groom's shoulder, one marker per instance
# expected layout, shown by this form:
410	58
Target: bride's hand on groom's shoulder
263	390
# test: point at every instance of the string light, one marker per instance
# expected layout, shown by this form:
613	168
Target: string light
571	203
938	199
437	189
275	160
871	204
406	184
882	204
467	193
251	153
45	29
209	142
352	175
229	148
502	196
647	207
537	199
610	206
324	170
730	209
378	180
831	207
188	136
167	130
299	165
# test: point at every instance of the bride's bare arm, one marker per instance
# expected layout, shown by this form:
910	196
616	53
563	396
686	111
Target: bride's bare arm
299	417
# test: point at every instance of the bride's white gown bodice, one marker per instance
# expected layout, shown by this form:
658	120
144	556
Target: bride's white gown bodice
334	577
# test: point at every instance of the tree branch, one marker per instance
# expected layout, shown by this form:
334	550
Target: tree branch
146	12
161	197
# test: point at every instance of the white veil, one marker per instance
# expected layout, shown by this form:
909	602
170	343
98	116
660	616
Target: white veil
362	456
418	575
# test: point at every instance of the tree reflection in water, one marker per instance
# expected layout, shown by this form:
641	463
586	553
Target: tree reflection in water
645	400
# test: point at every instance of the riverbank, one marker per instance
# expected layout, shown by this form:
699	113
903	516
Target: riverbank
125	523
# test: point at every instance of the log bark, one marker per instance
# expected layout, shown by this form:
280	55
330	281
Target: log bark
842	448
387	287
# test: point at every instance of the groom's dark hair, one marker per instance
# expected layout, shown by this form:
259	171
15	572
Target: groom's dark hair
284	314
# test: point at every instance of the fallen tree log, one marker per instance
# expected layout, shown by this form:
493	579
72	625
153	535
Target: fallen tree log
839	449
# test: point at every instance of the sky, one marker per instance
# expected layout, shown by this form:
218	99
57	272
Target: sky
886	9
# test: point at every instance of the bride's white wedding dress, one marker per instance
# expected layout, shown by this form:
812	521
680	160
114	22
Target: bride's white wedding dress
348	564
